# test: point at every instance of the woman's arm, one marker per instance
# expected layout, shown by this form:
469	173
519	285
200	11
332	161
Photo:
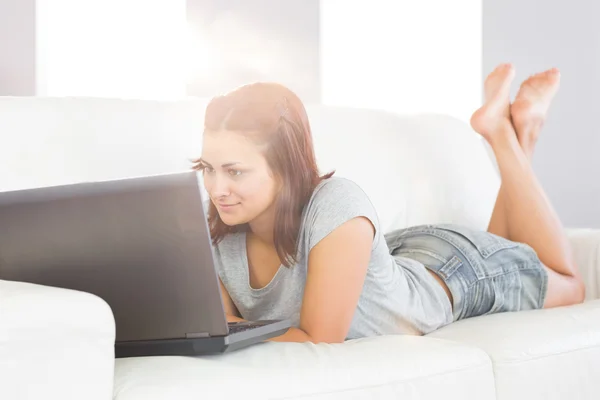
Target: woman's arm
337	267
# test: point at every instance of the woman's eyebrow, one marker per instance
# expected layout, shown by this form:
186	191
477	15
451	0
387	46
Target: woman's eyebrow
226	165
230	164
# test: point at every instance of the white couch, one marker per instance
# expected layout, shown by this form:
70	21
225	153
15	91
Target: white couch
58	344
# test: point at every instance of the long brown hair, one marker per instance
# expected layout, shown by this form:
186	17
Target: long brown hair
271	115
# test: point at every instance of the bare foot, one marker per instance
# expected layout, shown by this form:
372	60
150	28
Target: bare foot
531	105
494	115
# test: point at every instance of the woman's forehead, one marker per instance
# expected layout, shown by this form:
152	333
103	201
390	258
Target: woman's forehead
225	147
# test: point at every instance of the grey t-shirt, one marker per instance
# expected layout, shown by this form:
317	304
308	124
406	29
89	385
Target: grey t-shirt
398	297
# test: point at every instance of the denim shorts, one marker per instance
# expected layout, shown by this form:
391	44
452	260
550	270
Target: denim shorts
485	273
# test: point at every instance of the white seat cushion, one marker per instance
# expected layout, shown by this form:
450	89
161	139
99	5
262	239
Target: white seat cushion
542	354
383	367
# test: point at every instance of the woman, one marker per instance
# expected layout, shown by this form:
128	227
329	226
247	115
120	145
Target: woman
293	244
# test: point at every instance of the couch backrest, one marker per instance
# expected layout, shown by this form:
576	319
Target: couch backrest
416	169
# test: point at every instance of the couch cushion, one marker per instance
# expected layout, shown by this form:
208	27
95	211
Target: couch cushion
542	354
383	367
417	169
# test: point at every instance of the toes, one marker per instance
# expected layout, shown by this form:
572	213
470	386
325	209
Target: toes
502	75
553	74
545	75
498	82
541	81
501	70
537	77
506	69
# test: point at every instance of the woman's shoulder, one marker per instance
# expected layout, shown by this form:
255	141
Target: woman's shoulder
334	201
339	190
338	185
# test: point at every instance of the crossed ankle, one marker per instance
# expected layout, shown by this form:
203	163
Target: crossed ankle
527	149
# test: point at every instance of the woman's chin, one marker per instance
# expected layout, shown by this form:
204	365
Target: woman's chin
231	220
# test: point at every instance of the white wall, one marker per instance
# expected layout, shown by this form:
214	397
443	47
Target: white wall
17	47
112	48
239	41
101	48
540	34
162	49
402	56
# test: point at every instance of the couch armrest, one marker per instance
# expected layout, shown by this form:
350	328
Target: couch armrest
54	344
586	248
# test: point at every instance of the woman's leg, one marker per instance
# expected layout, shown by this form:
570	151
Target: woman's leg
529	216
498	224
528	114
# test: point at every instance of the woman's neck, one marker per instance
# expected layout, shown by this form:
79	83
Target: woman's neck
264	235
262	227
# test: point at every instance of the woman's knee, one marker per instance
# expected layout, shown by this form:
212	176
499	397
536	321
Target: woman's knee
579	291
577	294
564	290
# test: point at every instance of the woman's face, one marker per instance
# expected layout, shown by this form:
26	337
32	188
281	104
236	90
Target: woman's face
237	177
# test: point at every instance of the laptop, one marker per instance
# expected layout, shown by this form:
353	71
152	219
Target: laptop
143	245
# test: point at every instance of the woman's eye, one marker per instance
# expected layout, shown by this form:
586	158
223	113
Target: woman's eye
235	172
208	170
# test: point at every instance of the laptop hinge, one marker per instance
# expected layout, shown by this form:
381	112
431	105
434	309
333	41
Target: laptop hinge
196	335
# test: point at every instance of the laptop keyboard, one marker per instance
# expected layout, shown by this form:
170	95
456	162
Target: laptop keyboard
237	327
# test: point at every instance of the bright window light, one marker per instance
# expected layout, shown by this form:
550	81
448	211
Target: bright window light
402	56
112	48
203	61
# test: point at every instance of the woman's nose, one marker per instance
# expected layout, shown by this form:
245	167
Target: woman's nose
220	187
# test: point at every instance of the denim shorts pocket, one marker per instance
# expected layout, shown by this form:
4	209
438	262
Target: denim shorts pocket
393	240
486	243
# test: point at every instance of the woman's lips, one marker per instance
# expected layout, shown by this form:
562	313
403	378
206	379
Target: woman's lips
227	207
